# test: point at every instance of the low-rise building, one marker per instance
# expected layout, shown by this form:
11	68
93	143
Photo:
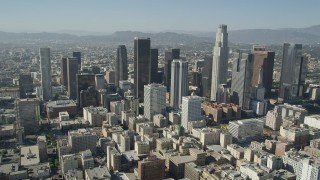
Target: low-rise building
82	139
29	155
54	107
312	121
100	172
95	115
247	128
7	130
177	165
221	111
236	151
151	168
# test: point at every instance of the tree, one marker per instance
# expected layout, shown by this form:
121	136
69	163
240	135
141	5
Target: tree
16	151
56	163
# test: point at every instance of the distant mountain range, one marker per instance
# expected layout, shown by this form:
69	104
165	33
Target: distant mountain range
308	35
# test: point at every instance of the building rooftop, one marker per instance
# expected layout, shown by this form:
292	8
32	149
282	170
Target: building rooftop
181	159
6	127
61	103
82	132
316	116
131	155
73	174
247	121
96	110
100	172
9	168
29	155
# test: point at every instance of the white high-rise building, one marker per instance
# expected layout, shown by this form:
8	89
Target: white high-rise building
220	61
154	100
45	70
179	82
191	109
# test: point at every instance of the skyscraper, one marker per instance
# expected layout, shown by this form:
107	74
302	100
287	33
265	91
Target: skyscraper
220	61
169	55
25	85
154	100
45	70
293	72
179	82
72	67
121	65
265	60
154	66
78	56
99	82
191	109
241	79
28	114
64	72
142	65
84	81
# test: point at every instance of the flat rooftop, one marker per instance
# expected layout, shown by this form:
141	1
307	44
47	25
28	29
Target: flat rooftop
29	155
61	103
101	172
181	159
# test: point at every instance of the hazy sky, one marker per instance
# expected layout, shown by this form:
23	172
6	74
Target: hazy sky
155	15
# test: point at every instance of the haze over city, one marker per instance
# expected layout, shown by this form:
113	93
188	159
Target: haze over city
96	17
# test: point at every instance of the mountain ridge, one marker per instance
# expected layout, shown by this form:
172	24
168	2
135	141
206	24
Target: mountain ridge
268	36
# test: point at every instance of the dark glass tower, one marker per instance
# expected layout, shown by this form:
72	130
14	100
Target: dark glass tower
64	72
121	65
78	56
25	85
72	66
154	66
169	55
142	65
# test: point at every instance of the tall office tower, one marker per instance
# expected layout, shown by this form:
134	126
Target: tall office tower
28	115
82	139
179	82
142	65
99	82
25	85
154	100
169	56
72	66
220	61
222	94
84	81
258	103
264	59
241	79
154	66
45	69
42	144
121	65
293	72
64	72
78	56
191	110
206	76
